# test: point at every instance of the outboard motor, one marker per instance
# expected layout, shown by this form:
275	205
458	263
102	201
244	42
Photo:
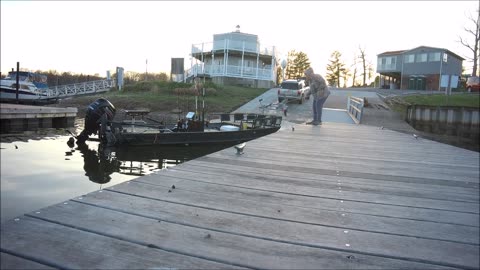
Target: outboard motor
99	113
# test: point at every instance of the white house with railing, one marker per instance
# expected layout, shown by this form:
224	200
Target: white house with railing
235	59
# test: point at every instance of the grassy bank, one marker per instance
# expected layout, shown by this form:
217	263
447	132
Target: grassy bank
457	100
400	103
160	96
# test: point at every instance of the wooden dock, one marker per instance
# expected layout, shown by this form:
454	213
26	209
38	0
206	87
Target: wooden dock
337	196
17	118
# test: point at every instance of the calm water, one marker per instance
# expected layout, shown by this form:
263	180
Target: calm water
36	173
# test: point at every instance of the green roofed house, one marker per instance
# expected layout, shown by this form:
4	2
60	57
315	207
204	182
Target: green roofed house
234	58
421	68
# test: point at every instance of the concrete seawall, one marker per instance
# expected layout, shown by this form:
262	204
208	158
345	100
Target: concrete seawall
455	121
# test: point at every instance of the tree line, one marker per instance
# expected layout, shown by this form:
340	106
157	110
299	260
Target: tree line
338	74
55	78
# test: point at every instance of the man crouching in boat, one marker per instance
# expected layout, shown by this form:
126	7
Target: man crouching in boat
99	113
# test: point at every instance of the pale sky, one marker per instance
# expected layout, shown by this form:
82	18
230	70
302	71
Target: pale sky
92	36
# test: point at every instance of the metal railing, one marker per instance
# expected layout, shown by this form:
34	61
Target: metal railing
252	47
355	108
232	71
78	88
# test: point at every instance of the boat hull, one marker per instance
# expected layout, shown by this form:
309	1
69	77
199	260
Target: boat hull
24	96
192	138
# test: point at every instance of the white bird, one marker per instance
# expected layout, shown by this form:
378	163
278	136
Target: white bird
415	136
239	148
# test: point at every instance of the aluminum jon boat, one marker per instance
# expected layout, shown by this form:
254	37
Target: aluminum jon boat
218	129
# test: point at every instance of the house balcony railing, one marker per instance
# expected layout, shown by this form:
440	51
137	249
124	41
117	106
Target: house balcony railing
232	45
387	67
265	73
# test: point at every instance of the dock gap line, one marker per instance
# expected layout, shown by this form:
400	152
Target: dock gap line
380	181
332	198
305	207
34	259
333	182
396	178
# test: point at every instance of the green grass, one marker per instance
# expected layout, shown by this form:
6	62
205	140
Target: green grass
456	100
163	96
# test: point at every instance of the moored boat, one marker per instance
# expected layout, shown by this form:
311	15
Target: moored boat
30	88
218	129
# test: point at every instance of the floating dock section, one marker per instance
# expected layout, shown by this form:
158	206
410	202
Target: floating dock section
17	118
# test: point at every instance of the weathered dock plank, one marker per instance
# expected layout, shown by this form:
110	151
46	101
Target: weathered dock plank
330	197
309	207
242	188
348	183
244	219
192	238
68	247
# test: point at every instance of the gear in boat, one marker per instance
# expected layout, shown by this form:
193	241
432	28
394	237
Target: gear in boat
220	128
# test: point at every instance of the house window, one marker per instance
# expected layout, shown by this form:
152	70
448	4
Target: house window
434	57
409	58
445	57
422	57
384	61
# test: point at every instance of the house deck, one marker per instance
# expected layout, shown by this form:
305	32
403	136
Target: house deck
337	196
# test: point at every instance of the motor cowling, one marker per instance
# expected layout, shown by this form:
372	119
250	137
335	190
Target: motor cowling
97	111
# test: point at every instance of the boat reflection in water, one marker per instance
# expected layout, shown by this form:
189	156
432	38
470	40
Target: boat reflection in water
100	164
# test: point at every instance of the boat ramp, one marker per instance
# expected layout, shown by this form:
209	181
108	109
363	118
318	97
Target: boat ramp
336	196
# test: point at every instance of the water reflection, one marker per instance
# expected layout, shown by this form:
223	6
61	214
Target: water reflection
101	163
98	167
38	172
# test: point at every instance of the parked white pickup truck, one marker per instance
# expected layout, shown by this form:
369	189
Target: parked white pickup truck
293	90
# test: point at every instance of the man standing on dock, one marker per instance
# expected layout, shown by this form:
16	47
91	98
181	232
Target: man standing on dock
320	93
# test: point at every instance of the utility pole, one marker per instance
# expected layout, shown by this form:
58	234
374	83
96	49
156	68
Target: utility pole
146	65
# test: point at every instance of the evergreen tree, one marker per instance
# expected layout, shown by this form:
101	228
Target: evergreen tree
301	63
290	70
297	63
336	69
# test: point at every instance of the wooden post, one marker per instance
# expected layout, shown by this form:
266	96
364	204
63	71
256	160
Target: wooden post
17	81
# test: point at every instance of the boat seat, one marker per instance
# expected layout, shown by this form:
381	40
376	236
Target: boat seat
238	117
224	117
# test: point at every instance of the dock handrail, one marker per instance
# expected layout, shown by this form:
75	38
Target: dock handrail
355	108
78	88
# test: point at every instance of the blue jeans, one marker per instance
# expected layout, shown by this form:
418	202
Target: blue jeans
317	108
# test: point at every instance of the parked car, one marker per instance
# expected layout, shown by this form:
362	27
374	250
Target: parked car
293	90
473	84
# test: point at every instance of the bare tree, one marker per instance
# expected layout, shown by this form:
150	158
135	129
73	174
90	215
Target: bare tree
363	60
354	71
476	37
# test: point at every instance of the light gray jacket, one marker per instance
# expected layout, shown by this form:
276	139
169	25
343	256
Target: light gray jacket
318	87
